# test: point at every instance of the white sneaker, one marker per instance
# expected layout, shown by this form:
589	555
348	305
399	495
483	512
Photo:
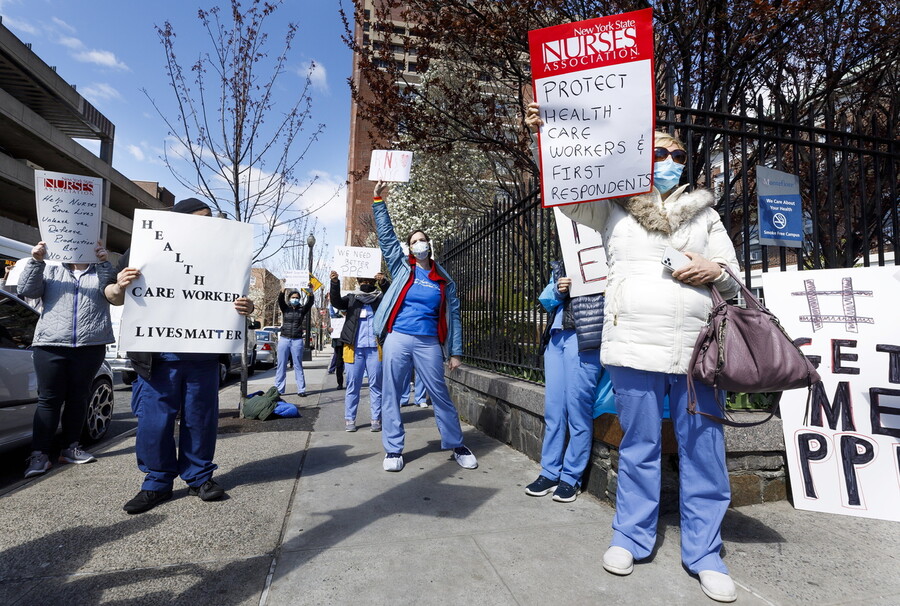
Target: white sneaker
393	462
618	560
422	404
465	458
718	586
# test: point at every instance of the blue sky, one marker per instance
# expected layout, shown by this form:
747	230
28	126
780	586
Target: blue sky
110	51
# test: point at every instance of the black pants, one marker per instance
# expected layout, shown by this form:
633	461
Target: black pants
64	376
338	361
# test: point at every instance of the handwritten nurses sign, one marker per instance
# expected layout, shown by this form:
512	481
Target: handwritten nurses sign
69	209
357	262
843	453
192	270
594	82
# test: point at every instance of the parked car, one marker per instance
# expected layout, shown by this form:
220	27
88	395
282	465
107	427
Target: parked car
266	348
18	380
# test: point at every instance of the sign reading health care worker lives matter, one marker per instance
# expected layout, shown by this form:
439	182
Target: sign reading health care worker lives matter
583	255
845	457
594	83
357	262
192	270
69	208
780	208
390	165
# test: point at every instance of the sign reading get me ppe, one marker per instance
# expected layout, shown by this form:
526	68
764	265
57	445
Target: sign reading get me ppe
780	208
594	83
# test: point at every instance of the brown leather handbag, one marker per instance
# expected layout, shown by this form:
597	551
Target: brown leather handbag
746	350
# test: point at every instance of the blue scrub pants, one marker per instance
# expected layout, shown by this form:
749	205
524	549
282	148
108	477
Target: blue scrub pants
400	353
192	388
703	477
571	386
294	348
421	394
365	360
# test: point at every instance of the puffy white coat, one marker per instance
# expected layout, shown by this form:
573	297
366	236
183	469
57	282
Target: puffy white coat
652	320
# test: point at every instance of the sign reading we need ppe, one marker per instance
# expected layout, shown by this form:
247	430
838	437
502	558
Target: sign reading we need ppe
844	452
192	270
594	83
780	208
69	208
357	261
583	255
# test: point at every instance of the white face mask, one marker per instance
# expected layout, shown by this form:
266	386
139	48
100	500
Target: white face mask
421	250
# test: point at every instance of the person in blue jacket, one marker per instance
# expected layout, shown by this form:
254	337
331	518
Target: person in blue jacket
571	347
418	323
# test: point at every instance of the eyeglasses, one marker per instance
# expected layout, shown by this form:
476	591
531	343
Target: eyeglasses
679	156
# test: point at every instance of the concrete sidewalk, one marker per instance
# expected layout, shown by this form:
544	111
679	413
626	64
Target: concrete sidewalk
311	518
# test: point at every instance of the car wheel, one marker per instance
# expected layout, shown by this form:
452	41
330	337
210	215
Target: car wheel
251	364
100	410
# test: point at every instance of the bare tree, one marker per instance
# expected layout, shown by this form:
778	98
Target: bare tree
235	144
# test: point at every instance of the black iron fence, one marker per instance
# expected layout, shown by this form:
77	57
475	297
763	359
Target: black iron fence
848	170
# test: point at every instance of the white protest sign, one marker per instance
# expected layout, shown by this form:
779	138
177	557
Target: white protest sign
390	165
357	262
337	325
192	270
594	83
845	458
296	278
69	209
583	256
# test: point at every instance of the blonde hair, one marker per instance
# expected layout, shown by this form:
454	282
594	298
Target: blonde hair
661	139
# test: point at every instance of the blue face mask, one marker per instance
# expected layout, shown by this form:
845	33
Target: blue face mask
666	174
295	302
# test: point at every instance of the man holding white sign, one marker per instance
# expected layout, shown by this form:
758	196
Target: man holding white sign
180	290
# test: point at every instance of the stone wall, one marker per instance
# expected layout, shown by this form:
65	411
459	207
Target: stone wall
512	411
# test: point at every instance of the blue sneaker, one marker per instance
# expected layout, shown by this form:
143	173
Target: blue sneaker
541	487
565	493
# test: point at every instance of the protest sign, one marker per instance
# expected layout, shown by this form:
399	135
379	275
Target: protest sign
69	209
296	278
192	270
337	325
357	262
390	165
780	209
594	83
583	255
843	453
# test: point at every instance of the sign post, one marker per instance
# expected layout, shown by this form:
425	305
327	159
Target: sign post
594	83
780	208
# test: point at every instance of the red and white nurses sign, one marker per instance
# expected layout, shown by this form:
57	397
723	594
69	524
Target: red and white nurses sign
594	83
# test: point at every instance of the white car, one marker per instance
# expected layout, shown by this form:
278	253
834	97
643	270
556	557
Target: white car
18	381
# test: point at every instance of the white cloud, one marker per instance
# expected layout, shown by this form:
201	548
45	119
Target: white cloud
136	151
100	91
100	57
70	42
63	25
317	74
22	26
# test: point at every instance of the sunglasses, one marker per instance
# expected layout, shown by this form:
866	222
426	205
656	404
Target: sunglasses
679	156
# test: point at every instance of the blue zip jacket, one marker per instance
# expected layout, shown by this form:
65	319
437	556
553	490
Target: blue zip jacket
76	312
400	267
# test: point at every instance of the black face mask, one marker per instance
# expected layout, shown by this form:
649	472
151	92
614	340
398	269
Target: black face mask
367	287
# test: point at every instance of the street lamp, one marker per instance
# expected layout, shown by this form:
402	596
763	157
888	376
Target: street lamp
307	351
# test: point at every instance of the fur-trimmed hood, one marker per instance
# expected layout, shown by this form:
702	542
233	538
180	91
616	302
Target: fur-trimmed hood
679	208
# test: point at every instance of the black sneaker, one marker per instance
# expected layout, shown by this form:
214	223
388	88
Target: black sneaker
565	493
208	491
541	487
302	395
146	500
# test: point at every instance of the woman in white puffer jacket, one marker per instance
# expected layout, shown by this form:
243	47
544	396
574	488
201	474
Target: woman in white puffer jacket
652	319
